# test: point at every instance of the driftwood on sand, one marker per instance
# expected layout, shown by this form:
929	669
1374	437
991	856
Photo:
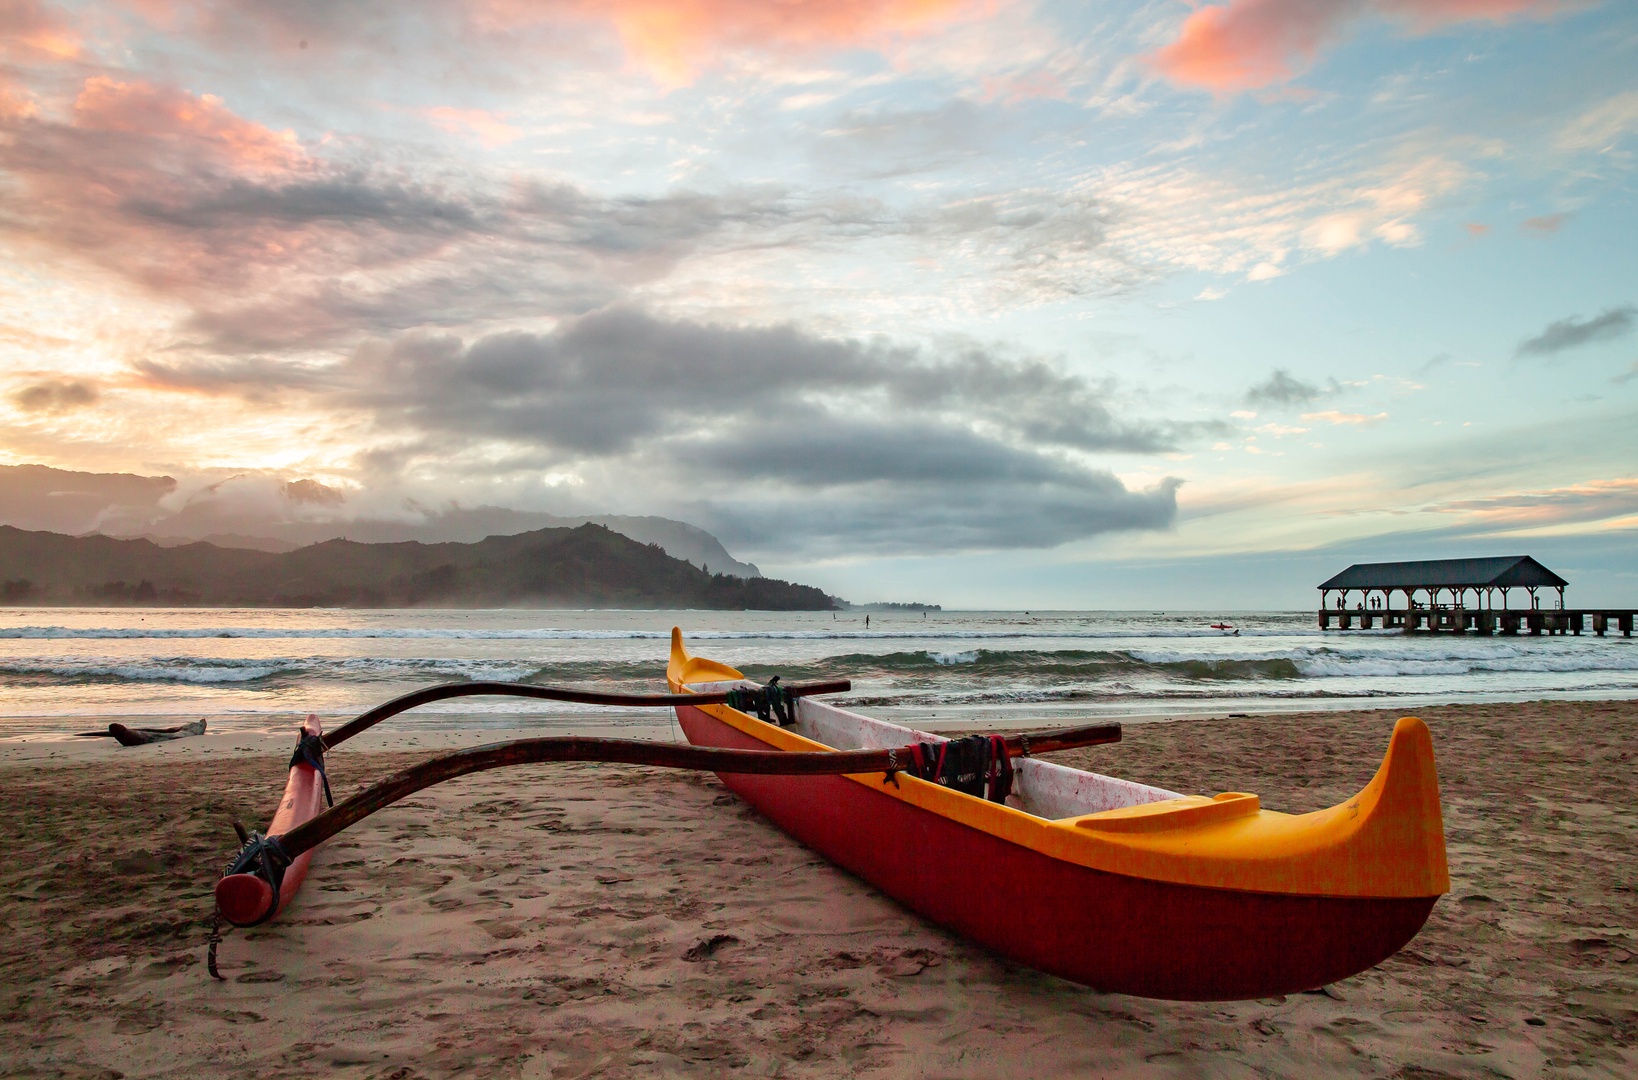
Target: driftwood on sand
129	736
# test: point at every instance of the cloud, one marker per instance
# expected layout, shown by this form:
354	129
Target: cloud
30	29
1545	225
963	448
1333	417
1281	388
1180	215
55	395
172	116
1590	501
1603	125
1572	333
674	39
270	243
1248	44
311	491
490	129
274	246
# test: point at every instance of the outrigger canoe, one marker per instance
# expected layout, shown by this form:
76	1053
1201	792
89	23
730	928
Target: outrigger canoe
1114	884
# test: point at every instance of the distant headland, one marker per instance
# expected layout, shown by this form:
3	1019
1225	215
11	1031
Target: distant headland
588	566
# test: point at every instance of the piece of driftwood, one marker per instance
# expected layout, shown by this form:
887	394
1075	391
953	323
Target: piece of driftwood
129	736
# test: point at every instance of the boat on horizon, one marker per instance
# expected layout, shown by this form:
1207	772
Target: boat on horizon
1114	884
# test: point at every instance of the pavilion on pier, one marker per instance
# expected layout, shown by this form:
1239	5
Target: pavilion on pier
1436	598
1442	583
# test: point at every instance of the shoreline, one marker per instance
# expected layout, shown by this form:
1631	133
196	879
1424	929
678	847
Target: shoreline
432	729
558	922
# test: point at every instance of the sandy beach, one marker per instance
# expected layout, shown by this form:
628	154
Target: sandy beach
586	921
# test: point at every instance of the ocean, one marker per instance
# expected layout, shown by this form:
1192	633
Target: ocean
69	669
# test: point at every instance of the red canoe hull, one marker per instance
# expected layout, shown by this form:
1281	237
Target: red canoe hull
1108	931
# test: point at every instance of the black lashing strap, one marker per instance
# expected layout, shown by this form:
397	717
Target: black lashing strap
976	765
265	858
310	751
770	704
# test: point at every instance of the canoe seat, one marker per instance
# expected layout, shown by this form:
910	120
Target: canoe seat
1187	812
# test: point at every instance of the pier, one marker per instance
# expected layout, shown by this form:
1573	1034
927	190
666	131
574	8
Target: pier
1461	596
1482	620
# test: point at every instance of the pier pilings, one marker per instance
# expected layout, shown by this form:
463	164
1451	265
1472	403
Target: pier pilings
1533	621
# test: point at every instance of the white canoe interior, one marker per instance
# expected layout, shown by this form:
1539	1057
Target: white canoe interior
1039	787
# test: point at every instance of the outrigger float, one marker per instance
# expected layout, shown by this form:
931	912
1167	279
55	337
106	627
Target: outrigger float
1118	885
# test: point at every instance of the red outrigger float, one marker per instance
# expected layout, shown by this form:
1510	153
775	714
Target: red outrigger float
247	899
1116	885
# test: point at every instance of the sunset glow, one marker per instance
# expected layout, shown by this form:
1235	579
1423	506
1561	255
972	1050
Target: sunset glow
885	296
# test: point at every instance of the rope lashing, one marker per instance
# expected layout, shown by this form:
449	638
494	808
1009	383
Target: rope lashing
771	703
310	752
263	857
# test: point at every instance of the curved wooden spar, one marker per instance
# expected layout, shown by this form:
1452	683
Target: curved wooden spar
252	901
445	691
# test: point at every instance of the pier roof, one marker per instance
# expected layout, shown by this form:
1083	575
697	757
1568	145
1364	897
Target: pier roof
1503	572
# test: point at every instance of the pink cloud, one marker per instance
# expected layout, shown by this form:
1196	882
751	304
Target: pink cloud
27	26
15	102
170	114
671	40
674	39
489	128
1248	44
140	178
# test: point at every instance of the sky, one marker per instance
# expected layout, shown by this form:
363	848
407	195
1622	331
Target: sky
988	304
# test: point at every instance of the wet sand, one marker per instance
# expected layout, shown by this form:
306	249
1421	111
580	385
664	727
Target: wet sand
580	921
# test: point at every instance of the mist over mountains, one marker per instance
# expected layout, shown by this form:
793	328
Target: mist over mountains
265	514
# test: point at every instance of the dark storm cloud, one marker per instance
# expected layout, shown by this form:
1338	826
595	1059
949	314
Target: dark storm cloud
902	449
934	519
822	482
607	380
1281	388
1572	333
818	450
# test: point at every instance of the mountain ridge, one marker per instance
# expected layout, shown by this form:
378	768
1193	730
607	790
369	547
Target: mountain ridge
268	515
587	566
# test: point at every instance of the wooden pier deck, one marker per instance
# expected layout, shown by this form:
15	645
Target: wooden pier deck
1481	620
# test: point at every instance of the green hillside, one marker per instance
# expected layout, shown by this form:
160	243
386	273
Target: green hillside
589	566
